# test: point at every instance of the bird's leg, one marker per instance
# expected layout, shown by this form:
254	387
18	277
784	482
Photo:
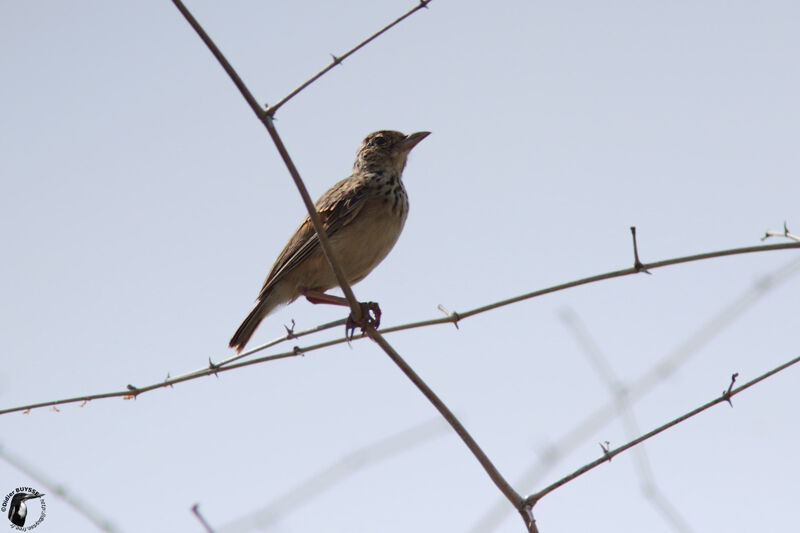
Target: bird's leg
370	311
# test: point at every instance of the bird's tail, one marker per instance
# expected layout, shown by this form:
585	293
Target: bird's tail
265	305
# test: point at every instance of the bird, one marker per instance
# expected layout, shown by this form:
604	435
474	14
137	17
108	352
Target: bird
17	510
363	216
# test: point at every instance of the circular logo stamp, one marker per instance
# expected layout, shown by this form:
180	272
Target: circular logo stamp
25	508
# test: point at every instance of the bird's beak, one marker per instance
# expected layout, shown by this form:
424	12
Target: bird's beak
411	140
33	497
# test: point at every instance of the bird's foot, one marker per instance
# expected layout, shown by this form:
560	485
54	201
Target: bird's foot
370	316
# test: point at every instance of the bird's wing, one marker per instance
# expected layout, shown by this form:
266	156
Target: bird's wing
337	208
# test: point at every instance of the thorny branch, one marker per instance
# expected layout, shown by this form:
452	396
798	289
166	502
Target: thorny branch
337	60
228	364
611	453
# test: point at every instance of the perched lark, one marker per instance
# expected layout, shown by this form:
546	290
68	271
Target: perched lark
363	216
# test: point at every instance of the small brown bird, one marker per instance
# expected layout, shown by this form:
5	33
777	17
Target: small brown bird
363	216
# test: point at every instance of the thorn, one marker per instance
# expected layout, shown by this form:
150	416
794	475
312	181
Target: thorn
84	402
132	388
212	366
424	3
455	317
289	331
726	394
637	265
299	351
785	229
606	450
336	60
166	380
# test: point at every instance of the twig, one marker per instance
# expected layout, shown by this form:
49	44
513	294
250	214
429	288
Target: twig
196	512
337	60
534	498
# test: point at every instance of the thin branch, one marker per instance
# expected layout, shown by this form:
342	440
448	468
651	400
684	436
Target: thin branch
248	96
610	454
215	368
266	119
494	474
337	60
453	317
624	272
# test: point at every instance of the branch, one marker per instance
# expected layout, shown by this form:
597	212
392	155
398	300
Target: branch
226	365
610	454
337	60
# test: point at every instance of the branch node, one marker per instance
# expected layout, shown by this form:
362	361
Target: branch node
166	381
637	265
424	3
299	351
726	394
452	315
336	59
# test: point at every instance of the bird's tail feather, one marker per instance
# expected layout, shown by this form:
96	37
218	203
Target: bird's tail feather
265	305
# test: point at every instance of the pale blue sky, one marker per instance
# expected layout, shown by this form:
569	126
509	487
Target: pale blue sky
143	204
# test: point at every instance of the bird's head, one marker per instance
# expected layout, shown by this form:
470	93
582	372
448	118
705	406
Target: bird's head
386	150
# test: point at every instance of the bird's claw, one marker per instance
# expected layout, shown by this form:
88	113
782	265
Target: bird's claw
370	316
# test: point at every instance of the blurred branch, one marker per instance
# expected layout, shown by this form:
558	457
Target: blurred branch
348	465
52	488
609	454
625	411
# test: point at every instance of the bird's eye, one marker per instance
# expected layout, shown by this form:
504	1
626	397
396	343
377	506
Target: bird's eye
379	141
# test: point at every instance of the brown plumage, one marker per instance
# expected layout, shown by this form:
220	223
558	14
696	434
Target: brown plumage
363	216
